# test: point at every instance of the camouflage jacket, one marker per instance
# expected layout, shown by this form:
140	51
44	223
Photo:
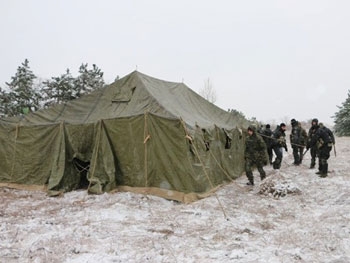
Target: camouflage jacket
279	138
267	137
323	137
310	137
255	148
298	136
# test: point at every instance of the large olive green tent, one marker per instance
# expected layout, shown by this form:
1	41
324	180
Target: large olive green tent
137	134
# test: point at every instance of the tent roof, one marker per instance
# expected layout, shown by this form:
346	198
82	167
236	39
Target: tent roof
134	95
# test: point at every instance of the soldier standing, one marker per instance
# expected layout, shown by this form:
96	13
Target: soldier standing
323	139
298	138
313	150
255	154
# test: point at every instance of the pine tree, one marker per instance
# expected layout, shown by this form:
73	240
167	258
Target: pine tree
23	96
342	118
88	80
65	87
59	89
5	102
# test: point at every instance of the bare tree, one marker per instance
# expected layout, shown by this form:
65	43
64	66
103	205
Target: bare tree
208	91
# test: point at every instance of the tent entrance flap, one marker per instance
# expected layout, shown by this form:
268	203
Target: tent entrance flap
82	168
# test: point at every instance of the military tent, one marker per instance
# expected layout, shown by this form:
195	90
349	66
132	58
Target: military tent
138	134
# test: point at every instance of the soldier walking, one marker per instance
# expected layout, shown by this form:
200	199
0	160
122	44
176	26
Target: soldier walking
255	155
279	142
267	133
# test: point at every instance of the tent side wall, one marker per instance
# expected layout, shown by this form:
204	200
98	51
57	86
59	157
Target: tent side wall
27	153
141	151
152	154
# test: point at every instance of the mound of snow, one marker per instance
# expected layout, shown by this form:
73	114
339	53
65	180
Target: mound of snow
278	186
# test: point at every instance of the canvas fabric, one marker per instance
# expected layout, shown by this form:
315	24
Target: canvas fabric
137	133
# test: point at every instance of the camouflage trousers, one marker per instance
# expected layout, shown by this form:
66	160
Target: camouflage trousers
314	155
279	155
298	154
249	165
324	154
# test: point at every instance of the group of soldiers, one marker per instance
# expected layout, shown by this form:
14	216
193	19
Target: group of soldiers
263	143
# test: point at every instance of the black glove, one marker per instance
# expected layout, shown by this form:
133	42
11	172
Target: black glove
285	147
308	146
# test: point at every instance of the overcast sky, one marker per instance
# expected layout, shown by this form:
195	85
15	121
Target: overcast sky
273	60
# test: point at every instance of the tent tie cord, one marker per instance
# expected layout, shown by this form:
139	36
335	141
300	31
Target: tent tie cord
188	137
222	169
82	168
205	172
147	138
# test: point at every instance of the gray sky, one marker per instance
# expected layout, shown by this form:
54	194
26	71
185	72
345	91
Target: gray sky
273	60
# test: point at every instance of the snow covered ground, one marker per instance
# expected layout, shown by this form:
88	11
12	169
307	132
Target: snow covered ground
310	222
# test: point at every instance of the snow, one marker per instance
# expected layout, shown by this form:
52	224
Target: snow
309	222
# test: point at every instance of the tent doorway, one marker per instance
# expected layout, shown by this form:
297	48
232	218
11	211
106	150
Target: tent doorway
82	168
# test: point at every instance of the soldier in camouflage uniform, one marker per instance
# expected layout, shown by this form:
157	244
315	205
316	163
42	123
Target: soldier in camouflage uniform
313	150
298	137
279	142
323	139
255	155
267	133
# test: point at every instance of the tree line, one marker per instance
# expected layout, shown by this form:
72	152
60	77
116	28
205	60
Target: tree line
27	93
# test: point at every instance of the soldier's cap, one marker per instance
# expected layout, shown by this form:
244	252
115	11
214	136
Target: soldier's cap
251	128
315	120
293	121
267	126
321	125
282	125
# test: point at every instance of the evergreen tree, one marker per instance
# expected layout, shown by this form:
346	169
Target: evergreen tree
342	118
7	106
59	89
88	80
4	103
23	97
